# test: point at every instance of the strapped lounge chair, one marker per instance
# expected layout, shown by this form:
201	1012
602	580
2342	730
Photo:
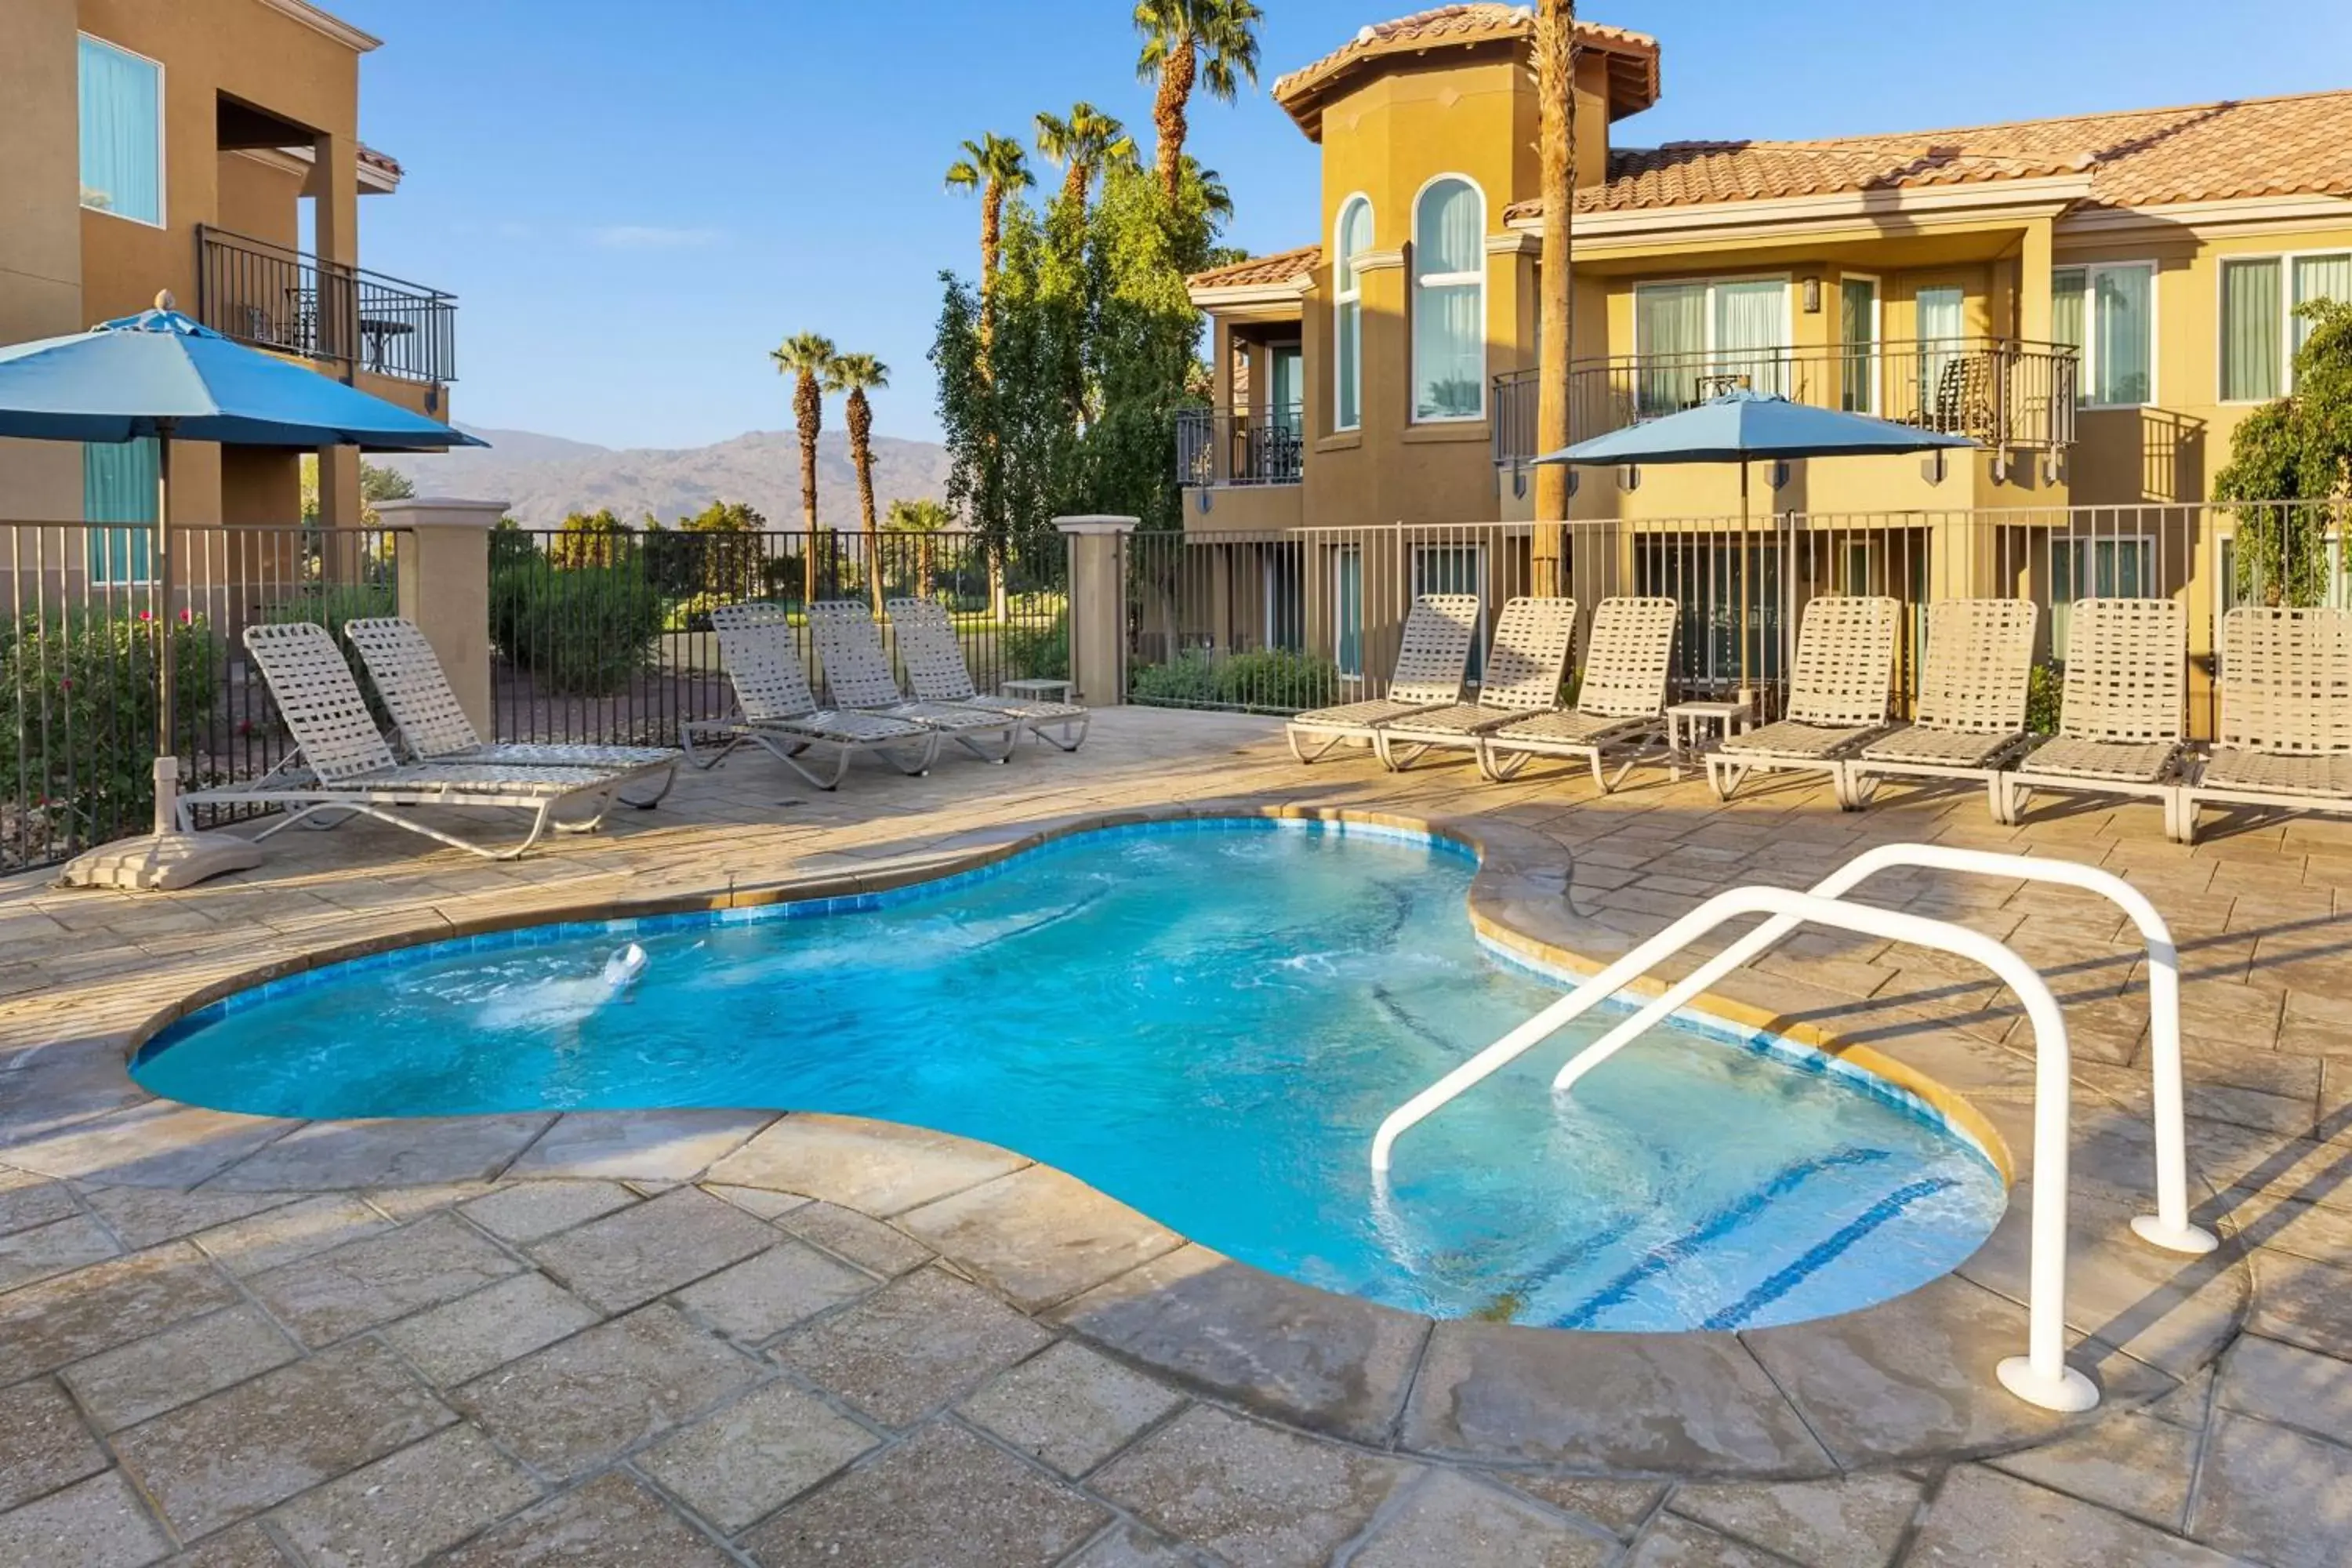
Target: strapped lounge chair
2120	710
776	711
2286	715
344	767
1431	656
1621	704
1972	695
935	670
1526	663
1838	694
434	729
859	677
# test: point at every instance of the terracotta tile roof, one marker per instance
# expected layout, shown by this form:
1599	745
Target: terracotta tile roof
1282	267
384	161
1632	57
2208	151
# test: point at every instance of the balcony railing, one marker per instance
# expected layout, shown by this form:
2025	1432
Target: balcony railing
2003	395
1260	448
297	303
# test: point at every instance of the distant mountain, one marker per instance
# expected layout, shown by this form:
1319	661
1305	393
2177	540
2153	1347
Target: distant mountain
543	478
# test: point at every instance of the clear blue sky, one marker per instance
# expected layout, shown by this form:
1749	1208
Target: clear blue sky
634	201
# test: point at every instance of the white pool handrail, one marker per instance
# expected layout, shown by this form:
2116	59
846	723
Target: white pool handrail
2040	1376
2170	1227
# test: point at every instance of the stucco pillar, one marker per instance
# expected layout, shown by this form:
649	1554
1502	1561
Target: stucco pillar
444	588
2034	267
1098	607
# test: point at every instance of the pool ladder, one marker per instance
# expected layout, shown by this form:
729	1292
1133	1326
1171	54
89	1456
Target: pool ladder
2040	1376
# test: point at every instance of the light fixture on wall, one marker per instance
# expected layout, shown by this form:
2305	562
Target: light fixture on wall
1812	296
1629	477
1931	466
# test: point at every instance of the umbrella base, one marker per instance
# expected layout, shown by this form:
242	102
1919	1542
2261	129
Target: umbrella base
160	862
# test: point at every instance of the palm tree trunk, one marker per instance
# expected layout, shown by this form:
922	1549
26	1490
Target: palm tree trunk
859	416
1074	186
1168	113
1556	91
808	412
992	230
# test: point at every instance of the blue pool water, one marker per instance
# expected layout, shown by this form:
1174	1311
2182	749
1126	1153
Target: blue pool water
1206	1024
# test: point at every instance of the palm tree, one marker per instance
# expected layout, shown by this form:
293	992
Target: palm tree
856	374
1215	200
806	357
996	167
923	519
1212	43
1087	140
1556	153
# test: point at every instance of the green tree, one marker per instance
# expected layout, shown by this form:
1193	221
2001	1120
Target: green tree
806	357
856	374
922	518
1211	44
2298	448
585	539
1081	146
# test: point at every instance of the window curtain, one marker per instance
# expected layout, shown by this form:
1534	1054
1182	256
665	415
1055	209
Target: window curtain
121	141
1448	334
1751	319
2122	311
1348	651
1355	238
1670	336
1858	329
2250	331
2319	278
1939	319
2066	290
118	485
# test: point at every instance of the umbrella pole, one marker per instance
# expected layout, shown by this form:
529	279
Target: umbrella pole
1745	696
167	754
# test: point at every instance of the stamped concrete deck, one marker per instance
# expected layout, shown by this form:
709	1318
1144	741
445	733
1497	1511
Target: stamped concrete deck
689	1338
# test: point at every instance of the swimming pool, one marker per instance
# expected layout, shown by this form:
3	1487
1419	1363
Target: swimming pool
1206	1021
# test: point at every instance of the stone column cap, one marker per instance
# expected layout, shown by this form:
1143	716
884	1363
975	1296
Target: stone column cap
1098	523
440	511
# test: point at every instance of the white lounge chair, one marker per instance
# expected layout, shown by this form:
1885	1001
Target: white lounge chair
1973	687
1431	656
858	678
1527	661
2286	716
1838	694
2120	710
344	767
1621	703
433	727
936	671
776	711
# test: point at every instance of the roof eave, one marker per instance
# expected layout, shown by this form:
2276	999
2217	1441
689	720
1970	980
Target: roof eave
2041	195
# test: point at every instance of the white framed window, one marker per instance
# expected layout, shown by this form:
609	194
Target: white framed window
1860	317
2260	331
2110	566
1350	239
121	96
1694	339
1449	300
118	485
1347	611
2107	310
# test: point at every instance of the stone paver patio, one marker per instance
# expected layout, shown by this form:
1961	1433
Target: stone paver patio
688	1337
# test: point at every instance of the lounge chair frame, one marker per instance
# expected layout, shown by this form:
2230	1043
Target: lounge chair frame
1527	662
1621	703
858	678
936	671
433	726
1433	658
1839	690
2121	712
2285	740
342	766
1969	722
775	710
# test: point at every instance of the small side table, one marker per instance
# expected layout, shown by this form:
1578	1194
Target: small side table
1038	689
1687	726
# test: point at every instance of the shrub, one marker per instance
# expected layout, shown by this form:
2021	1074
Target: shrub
582	630
2042	689
1274	680
78	718
1031	651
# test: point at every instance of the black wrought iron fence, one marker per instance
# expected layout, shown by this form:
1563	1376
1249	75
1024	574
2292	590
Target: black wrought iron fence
607	636
82	622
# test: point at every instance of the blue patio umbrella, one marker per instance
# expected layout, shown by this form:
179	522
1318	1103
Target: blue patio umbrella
1740	426
162	375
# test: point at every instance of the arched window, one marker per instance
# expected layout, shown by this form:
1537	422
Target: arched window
1449	302
1351	240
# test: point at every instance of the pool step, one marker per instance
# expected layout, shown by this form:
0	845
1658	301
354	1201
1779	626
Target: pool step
1824	1253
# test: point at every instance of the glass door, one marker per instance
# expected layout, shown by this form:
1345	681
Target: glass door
1858	318
1941	396
1286	410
